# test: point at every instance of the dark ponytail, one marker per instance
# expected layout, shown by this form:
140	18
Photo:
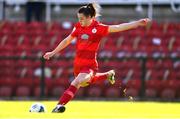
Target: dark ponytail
92	10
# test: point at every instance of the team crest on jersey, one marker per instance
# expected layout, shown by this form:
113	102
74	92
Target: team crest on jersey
84	36
94	30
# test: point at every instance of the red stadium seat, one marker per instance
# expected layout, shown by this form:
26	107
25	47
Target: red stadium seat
112	92
133	87
94	91
24	64
170	88
171	83
24	87
150	93
168	94
6	91
80	93
9	82
7	86
132	92
153	88
57	91
53	26
135	83
23	91
61	82
48	83
37	87
23	72
37	91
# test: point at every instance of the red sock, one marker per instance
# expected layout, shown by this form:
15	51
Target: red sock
99	77
67	95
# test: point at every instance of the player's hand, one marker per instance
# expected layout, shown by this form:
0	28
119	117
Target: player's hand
144	22
48	55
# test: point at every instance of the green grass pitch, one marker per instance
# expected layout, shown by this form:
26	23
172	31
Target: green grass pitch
92	110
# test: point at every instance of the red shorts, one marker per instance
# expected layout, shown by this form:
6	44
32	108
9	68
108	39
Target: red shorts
88	70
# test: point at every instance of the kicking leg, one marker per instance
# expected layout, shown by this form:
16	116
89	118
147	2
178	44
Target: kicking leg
110	75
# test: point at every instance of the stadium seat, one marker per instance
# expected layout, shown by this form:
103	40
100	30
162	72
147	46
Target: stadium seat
6	91
80	93
23	72
57	90
22	51
9	82
168	94
134	83
24	87
170	88
25	81
23	91
7	87
64	81
153	88
94	91
133	87
36	26
37	86
24	64
112	92
37	91
150	93
50	26
131	92
115	90
8	49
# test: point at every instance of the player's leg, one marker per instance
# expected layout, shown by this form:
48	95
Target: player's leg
81	79
65	98
110	75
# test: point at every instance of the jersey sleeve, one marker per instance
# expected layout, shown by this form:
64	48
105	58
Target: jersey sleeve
103	30
74	32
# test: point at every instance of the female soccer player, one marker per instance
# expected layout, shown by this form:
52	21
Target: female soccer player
88	33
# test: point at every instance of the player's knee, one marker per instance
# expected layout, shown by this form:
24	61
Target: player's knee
75	83
81	82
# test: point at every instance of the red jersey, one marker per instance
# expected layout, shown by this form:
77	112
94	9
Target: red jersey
87	44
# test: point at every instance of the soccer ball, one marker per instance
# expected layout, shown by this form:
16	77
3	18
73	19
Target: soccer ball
37	107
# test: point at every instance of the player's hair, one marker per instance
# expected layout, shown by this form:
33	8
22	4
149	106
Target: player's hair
91	9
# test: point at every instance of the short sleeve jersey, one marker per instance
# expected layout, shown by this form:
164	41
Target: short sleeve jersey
88	40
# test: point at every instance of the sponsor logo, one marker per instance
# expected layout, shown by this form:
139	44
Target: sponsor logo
94	30
84	36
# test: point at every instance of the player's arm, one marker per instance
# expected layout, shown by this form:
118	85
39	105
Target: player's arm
61	46
127	26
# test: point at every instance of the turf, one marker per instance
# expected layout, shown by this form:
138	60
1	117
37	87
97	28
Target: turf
93	110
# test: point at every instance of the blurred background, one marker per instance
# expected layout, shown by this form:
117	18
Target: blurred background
146	59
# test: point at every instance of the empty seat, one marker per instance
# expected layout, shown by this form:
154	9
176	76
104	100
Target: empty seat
168	94
23	91
94	91
153	88
133	87
8	83
80	93
112	92
37	91
37	87
57	91
6	91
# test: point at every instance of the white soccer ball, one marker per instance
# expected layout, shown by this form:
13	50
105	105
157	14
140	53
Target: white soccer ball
37	107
